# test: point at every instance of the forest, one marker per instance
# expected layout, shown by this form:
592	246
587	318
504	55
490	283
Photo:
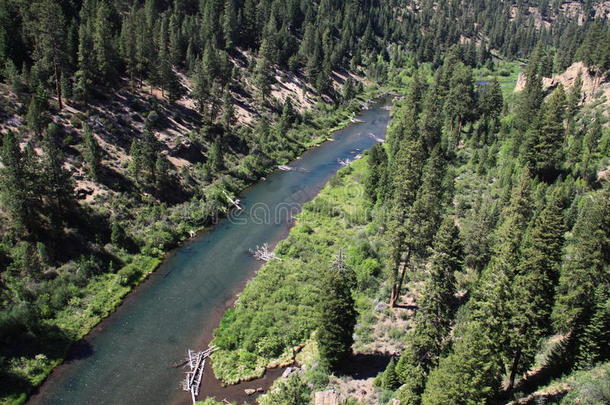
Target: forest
481	228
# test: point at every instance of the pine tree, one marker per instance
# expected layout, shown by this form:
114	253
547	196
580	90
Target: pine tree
532	95
85	74
548	146
420	222
229	24
574	96
103	50
404	171
428	339
263	79
534	285
167	78
377	166
13	193
594	343
228	111
583	269
162	176
92	153
215	157
47	25
389	379
472	373
37	114
58	184
201	86
491	100
459	103
337	315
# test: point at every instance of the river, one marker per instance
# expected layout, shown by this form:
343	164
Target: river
126	359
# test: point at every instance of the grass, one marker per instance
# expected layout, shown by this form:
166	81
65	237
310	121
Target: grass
506	73
583	387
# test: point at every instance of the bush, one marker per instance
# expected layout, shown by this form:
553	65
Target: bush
129	274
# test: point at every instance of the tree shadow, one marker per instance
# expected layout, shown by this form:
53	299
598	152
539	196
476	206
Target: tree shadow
79	350
363	366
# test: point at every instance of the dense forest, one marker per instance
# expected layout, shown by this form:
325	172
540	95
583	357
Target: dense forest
486	211
128	125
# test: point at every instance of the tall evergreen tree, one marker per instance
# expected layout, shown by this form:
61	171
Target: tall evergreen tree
92	153
13	193
547	148
421	221
584	269
428	339
534	285
337	315
47	26
58	183
103	45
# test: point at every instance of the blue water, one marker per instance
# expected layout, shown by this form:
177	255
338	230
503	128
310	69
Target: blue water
126	359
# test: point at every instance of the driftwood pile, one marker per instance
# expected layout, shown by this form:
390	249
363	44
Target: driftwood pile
193	377
263	253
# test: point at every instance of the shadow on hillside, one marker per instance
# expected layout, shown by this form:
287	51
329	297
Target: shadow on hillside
362	366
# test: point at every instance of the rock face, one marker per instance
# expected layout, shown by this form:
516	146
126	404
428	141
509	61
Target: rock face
594	83
326	398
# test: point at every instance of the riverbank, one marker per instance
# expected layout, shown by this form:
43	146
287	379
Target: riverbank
285	292
275	312
106	292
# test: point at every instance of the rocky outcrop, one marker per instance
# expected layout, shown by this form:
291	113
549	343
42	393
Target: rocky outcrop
594	83
326	398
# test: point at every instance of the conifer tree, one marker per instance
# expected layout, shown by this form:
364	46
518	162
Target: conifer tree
377	166
459	103
58	183
13	193
584	268
37	115
472	372
427	341
574	96
263	79
421	221
548	145
532	95
201	86
337	315
491	100
103	45
389	379
47	25
534	285
162	176
405	171
92	153
228	111
229	24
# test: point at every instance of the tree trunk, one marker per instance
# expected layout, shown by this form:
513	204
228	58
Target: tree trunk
402	271
513	371
58	85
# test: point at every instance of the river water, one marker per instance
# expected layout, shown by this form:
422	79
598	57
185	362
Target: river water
126	359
